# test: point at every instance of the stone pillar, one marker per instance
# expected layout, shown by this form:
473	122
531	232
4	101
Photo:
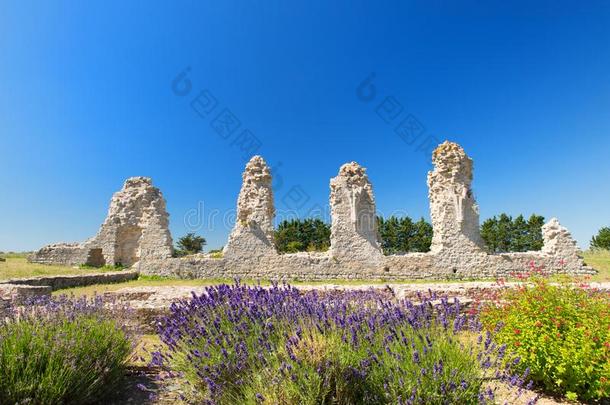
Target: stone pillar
252	235
454	212
354	222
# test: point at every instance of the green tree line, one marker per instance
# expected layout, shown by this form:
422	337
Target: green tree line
507	234
298	235
500	234
403	235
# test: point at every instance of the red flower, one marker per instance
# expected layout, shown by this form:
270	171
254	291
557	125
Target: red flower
517	343
517	331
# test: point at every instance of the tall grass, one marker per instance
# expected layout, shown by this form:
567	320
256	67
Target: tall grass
599	259
19	267
63	351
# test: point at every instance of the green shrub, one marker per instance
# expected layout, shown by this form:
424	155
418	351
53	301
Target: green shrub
602	239
293	247
62	351
561	333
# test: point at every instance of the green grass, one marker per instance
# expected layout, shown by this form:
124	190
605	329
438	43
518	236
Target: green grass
142	281
600	261
19	267
65	352
157	281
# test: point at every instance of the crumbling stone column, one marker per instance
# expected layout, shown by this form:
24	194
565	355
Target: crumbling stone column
454	212
354	223
136	227
252	234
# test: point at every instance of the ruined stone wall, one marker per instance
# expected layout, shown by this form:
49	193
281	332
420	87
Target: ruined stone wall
137	226
76	280
67	254
457	248
136	232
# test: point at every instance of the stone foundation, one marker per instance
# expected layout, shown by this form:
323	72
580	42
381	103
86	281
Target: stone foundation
76	280
136	232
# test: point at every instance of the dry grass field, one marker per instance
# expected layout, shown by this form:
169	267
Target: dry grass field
18	267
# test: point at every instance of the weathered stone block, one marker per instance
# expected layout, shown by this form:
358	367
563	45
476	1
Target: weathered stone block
22	294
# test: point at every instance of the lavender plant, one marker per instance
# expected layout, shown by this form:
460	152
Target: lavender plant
240	344
63	350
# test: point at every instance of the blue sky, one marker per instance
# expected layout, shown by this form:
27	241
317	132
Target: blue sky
86	100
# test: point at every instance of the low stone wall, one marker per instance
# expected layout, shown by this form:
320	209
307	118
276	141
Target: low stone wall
66	254
323	266
79	280
19	294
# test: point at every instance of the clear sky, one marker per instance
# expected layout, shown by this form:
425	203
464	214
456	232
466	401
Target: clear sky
89	97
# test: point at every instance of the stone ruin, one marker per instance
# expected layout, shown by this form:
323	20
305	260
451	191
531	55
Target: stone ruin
354	218
252	235
135	233
136	227
453	210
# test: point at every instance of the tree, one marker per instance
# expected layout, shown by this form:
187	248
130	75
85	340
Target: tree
190	244
602	239
519	235
534	224
402	235
505	234
422	238
298	235
388	234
